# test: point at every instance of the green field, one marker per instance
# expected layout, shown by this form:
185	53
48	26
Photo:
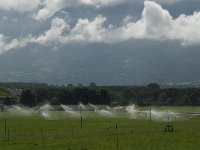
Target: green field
62	132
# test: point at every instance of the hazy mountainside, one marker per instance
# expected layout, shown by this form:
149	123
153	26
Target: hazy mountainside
132	62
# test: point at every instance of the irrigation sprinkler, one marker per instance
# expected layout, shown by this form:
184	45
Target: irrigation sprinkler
169	128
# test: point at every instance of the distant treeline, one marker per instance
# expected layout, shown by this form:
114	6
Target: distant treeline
69	96
150	94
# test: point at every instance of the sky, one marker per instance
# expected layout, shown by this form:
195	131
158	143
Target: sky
109	42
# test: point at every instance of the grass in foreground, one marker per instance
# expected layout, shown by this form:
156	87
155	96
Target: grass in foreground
98	133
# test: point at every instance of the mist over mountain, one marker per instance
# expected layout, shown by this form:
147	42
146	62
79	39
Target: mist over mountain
126	63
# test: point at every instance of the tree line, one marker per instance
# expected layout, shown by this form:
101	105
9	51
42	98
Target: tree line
68	96
151	94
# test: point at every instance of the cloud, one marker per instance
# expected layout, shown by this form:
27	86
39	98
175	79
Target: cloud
156	20
106	3
6	45
52	36
103	3
43	9
156	23
85	30
159	24
186	29
50	7
58	26
19	5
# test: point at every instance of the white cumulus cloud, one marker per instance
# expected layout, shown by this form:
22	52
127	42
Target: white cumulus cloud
19	5
6	45
58	26
43	9
105	3
86	30
156	23
156	19
50	7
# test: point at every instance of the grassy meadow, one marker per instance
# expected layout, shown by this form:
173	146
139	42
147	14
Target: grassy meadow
61	132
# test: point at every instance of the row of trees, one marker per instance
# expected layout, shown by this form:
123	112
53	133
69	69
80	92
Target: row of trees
70	96
151	94
154	95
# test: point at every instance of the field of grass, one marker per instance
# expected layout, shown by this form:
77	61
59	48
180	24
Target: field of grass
97	133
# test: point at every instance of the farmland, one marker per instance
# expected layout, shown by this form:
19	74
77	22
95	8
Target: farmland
60	131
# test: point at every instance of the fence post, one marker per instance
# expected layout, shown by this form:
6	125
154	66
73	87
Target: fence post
116	128
81	122
5	126
42	138
8	137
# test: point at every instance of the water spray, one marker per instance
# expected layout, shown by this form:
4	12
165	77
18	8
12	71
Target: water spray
93	106
82	107
150	114
69	111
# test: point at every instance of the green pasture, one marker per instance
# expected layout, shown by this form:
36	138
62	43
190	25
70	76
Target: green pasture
61	132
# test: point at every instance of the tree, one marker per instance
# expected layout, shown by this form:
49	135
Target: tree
163	98
80	85
127	94
28	98
93	84
104	97
186	100
153	86
55	101
70	85
42	95
169	101
7	101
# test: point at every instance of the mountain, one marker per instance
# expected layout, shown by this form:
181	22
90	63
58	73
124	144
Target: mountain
125	63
